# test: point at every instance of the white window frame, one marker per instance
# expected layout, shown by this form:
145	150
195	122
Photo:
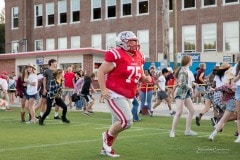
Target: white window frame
50	44
138	1
212	34
108	4
50	11
125	2
14	16
143	38
186	29
62	43
36	45
188	8
203	6
98	6
40	14
15	46
110	40
236	34
96	40
62	5
231	3
75	42
75	6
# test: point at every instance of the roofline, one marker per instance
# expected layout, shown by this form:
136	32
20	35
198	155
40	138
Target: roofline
80	51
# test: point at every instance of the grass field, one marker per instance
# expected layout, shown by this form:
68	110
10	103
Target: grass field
81	139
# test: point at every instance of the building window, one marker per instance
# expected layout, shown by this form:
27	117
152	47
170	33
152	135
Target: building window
38	45
97	41
209	37
38	20
111	8
49	14
189	38
206	3
75	42
15	47
110	40
75	13
126	6
186	4
15	13
96	9
142	6
170	5
231	36
170	40
62	12
143	37
50	44
62	43
230	1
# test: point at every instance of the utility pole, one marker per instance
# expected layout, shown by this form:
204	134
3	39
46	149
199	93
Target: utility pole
175	28
165	25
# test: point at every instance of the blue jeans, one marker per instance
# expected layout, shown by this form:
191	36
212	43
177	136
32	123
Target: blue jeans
135	109
149	99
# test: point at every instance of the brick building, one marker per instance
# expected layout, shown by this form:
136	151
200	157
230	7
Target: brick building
207	28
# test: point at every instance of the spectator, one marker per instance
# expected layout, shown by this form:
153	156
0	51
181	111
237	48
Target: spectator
54	93
21	87
183	94
87	85
3	93
161	93
11	89
31	80
68	85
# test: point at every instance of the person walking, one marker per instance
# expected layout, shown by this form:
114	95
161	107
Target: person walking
183	94
48	76
68	88
54	93
21	87
87	85
124	69
146	93
31	80
162	93
236	72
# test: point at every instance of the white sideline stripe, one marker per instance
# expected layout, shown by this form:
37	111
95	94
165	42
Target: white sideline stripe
67	143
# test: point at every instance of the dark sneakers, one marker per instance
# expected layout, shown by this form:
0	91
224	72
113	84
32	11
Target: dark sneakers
57	117
40	121
65	120
198	121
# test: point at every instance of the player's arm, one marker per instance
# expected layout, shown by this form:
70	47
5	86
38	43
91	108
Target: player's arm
105	68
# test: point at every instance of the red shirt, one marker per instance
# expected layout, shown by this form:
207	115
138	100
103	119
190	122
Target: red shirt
123	79
150	86
68	79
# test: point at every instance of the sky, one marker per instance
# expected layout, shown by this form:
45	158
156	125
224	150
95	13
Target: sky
2	4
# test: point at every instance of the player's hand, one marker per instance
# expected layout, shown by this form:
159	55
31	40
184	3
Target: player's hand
106	94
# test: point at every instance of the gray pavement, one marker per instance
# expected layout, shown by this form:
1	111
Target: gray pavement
161	110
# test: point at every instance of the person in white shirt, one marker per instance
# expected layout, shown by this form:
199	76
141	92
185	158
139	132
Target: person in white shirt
4	94
162	93
237	95
31	80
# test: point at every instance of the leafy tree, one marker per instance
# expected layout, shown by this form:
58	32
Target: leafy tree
2	31
2	38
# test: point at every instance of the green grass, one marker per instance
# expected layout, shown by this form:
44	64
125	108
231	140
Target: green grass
81	139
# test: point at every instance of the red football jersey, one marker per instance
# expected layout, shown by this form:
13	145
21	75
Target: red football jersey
123	79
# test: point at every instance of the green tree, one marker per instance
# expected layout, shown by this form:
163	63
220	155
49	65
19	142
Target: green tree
2	38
